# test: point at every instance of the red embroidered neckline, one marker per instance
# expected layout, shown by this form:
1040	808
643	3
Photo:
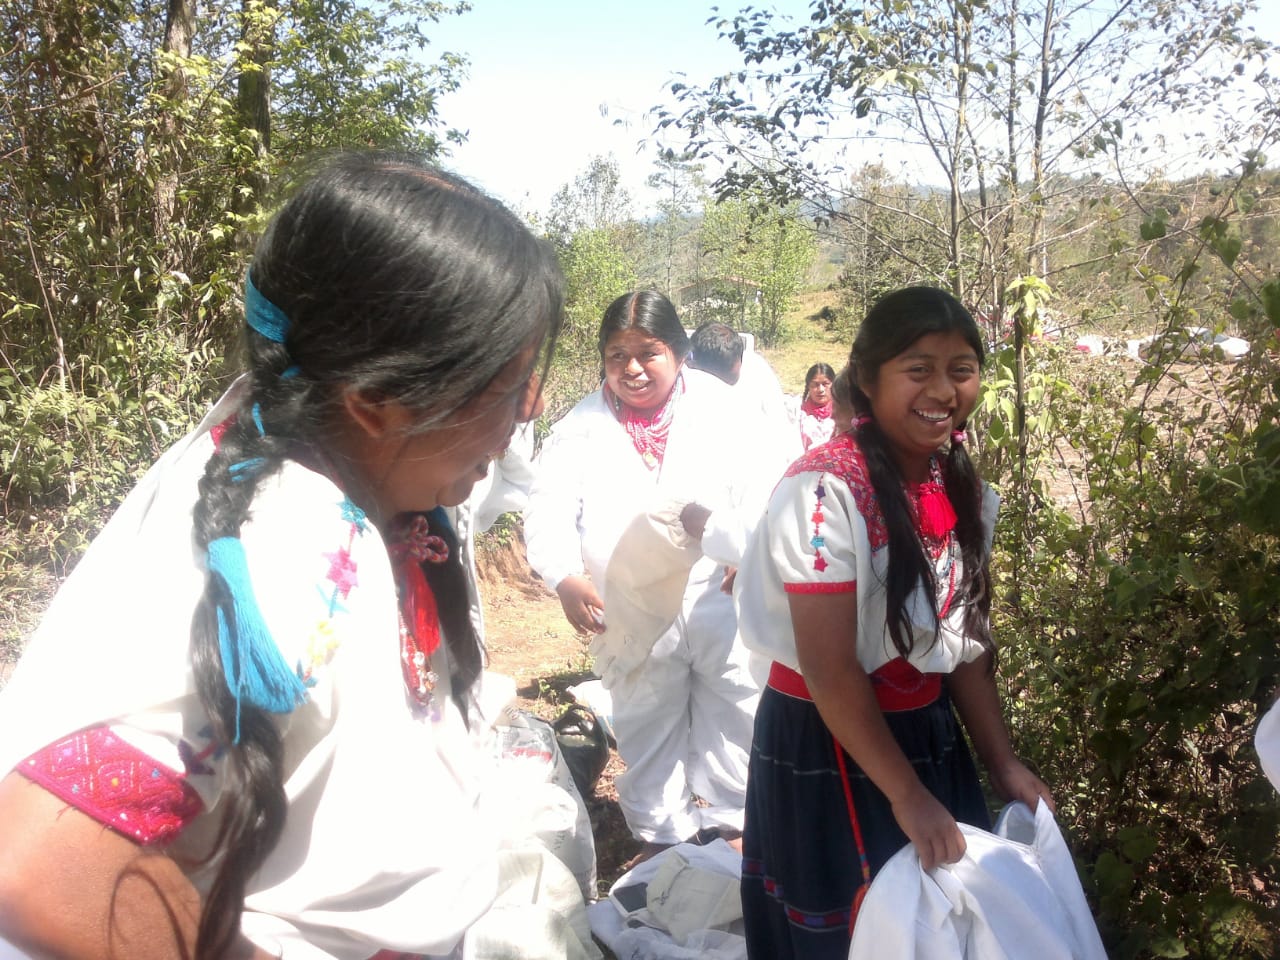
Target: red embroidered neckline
817	411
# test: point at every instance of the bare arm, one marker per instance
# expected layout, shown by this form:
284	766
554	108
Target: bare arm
72	888
842	692
973	689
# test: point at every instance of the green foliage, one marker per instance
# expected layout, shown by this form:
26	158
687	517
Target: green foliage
887	230
595	200
757	257
1022	112
133	188
1138	659
597	271
356	73
1136	564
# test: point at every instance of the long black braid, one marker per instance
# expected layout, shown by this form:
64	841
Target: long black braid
398	280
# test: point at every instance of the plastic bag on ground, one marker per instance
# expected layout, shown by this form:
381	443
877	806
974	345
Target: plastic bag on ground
641	936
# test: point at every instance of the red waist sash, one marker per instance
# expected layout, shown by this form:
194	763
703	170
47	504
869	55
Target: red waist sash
898	685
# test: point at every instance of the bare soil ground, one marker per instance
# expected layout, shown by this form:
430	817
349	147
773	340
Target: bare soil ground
530	640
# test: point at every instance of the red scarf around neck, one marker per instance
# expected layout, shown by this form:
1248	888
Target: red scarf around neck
648	429
822	412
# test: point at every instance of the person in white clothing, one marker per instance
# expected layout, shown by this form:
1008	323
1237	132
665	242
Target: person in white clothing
812	410
505	489
247	723
657	440
717	349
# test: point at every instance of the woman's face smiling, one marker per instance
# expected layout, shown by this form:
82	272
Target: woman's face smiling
639	368
921	395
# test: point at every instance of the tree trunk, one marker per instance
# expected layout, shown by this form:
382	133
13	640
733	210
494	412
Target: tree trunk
179	27
253	99
64	55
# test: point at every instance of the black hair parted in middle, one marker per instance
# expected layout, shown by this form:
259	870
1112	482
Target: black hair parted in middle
819	368
399	281
379	255
893	324
647	311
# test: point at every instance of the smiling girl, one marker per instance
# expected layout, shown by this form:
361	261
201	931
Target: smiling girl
867	586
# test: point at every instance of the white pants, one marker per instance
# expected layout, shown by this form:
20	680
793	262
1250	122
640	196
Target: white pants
683	723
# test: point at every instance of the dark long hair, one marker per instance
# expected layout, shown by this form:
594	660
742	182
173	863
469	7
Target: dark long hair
650	312
895	322
399	280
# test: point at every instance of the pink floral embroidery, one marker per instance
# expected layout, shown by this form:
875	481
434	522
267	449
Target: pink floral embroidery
342	571
342	568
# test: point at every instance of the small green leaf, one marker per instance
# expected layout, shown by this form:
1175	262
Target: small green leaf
1153	228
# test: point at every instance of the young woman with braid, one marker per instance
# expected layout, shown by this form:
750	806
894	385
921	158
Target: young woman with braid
242	727
867	586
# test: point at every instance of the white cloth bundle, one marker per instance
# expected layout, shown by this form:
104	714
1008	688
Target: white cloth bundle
644	584
1267	741
1013	895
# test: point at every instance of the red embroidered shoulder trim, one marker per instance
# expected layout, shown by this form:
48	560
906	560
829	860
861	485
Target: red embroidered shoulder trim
842	458
116	784
845	586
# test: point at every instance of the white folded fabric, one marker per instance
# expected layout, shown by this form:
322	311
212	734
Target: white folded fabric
1010	897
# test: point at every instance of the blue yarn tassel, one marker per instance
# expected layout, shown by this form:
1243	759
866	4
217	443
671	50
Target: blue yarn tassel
251	662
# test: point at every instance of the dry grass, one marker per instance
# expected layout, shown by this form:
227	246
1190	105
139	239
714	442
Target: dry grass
809	342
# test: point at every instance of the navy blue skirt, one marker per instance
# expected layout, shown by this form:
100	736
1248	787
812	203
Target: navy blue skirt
801	870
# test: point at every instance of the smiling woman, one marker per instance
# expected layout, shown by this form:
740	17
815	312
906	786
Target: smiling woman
265	666
658	451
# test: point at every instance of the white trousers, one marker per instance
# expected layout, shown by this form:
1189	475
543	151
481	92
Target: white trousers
683	722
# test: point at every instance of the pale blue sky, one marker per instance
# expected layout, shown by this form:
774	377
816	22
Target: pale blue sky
550	79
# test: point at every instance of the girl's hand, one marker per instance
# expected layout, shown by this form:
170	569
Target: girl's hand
1013	781
582	606
931	829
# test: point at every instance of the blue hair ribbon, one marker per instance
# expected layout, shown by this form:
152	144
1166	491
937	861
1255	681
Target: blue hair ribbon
246	468
263	315
251	662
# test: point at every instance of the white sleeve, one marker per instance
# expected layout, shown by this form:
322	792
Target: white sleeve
730	529
553	541
512	479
